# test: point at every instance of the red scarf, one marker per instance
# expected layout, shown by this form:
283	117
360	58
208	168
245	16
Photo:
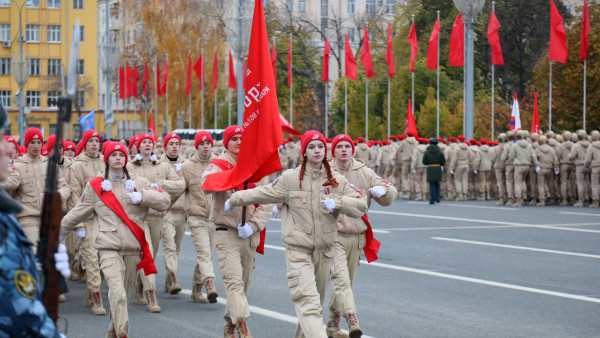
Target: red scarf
224	165
372	246
111	201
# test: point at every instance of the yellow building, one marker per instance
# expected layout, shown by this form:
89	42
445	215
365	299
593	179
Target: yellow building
47	28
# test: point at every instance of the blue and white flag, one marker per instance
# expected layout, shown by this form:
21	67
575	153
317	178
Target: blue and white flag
87	121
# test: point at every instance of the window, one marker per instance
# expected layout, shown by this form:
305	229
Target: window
34	67
53	3
80	67
81	31
54	33
290	5
389	7
5	32
33	3
4	3
80	99
370	7
5	98
77	4
351	34
32	33
302	6
33	99
53	95
324	8
351	6
4	66
53	67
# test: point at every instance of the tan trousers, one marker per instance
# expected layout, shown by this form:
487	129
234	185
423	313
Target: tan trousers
89	255
484	180
31	228
532	183
545	177
308	276
202	235
461	177
388	171
420	177
566	172
594	178
473	185
174	224
148	282
520	185
501	183
345	265
510	181
382	169
397	175
119	272
582	177
449	182
236	261
407	178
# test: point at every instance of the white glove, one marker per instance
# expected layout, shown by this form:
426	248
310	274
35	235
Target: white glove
228	206
329	204
294	165
556	172
475	171
392	163
378	191
451	171
136	197
442	167
414	171
378	164
245	231
276	211
178	167
61	261
537	169
80	233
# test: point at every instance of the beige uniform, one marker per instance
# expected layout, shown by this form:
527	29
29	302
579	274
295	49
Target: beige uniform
309	232
200	206
27	181
483	165
235	254
567	170
473	185
522	156
592	162
406	152
556	183
460	165
118	248
383	158
548	165
581	175
363	153
420	172
499	171
449	153
509	171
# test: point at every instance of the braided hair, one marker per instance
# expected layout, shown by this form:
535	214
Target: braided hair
124	171
330	180
302	170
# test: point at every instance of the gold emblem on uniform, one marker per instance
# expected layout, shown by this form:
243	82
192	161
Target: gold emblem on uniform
25	284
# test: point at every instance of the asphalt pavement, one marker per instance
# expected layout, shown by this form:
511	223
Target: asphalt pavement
456	269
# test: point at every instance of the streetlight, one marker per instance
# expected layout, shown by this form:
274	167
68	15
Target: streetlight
469	10
108	57
20	71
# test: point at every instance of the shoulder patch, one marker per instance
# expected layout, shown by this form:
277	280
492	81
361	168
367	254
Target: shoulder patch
357	189
25	284
209	168
275	181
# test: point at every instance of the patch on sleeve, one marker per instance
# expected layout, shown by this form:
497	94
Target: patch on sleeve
383	180
275	181
356	189
25	284
209	168
158	189
82	197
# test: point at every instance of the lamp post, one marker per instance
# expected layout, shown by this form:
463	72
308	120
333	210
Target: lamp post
108	55
469	10
20	71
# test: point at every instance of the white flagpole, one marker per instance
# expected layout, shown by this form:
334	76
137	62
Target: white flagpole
326	109
346	105
202	91
126	99
438	82
389	113
156	77
550	99
190	108
584	89
215	95
167	100
493	80
366	108
229	104
412	75
464	83
291	91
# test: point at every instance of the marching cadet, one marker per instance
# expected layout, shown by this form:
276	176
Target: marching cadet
374	147
117	203
522	156
442	145
473	185
236	243
434	159
313	197
384	158
552	142
509	168
500	169
397	162
450	153
176	217
577	155
567	168
353	234
161	176
459	167
592	162
549	167
406	152
483	167
200	206
294	153
363	152
13	148
419	170
69	149
85	167
532	186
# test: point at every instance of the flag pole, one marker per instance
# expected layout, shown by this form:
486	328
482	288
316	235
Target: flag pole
326	109
550	98
493	80
464	83
438	81
389	112
346	105
156	91
584	89
167	88
412	95
190	109
202	91
367	108
291	91
229	104
126	99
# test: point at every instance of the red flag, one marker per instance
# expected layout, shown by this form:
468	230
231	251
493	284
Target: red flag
389	55
274	63
130	76
585	32
188	77
232	80
365	55
163	88
558	36
215	73
146	79
457	43
325	69
410	126
290	64
494	39
199	70
351	66
136	79
412	39
286	127
535	122
158	85
151	126
121	83
262	131
432	52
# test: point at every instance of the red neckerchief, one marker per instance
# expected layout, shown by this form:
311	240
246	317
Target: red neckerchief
111	201
224	166
372	246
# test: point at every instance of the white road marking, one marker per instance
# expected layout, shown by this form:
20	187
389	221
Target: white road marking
260	311
467	206
468	279
451	228
516	247
578	213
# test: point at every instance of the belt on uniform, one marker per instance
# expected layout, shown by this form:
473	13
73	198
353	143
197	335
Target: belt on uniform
433	165
221	229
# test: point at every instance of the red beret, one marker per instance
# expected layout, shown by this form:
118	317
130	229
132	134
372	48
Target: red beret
340	138
483	141
201	136
461	138
442	140
114	146
309	136
31	134
229	132
170	136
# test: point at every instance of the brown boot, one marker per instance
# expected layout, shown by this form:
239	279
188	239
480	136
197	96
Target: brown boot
139	294
333	326
168	282
354	331
198	297
229	331
406	196
518	202
579	204
541	203
211	292
152	303
242	329
97	308
501	202
594	204
174	287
